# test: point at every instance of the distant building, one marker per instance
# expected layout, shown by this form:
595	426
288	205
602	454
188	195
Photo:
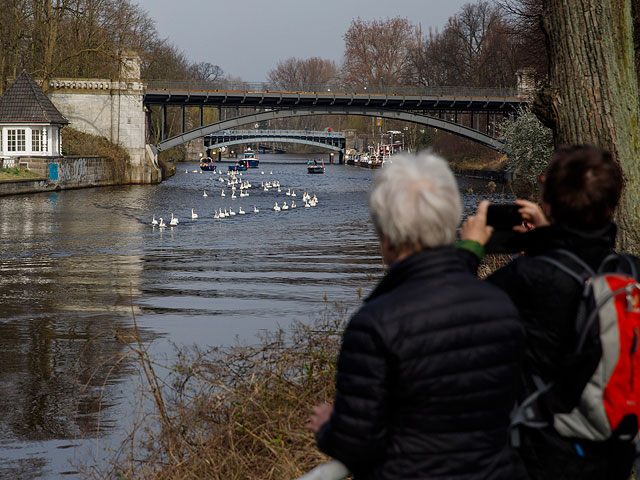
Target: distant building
30	124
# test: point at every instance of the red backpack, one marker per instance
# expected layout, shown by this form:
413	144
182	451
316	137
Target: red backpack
608	314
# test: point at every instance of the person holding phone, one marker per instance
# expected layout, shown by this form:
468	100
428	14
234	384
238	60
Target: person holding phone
428	366
580	193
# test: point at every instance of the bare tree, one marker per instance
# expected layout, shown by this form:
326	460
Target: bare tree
303	74
377	52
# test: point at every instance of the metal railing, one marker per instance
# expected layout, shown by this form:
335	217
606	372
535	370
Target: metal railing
259	87
280	133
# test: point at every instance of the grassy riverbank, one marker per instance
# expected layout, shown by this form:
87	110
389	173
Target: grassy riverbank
233	413
16	173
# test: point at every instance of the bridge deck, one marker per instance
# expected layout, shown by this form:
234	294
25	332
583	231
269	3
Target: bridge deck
275	100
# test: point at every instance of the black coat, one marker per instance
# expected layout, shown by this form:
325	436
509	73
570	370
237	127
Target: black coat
547	300
426	376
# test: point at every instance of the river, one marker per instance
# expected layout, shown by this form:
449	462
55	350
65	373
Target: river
77	264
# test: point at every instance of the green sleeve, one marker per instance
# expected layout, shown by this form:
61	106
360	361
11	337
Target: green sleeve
474	247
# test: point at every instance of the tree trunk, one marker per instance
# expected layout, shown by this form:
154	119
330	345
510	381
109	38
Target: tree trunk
593	92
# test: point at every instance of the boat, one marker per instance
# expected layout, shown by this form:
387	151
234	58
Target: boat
251	159
207	164
315	168
240	166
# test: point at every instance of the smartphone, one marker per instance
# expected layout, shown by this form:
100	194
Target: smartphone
504	217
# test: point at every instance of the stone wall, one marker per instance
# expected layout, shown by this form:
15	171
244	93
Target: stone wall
78	172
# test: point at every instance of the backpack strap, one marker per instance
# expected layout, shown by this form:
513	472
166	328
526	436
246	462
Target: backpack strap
580	277
527	414
617	257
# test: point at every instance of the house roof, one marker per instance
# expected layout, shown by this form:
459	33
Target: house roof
25	102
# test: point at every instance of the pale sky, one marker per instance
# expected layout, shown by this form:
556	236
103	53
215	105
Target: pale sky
247	38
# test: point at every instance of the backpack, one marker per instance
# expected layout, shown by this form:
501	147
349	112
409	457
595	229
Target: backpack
608	317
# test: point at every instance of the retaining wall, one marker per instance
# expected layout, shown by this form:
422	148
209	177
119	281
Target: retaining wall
79	172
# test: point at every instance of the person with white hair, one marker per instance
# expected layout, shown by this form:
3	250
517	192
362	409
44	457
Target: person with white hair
428	365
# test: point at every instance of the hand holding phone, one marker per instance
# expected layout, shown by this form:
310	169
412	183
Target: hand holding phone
504	217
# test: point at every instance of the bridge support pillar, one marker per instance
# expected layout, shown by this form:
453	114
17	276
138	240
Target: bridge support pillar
341	157
163	123
219	155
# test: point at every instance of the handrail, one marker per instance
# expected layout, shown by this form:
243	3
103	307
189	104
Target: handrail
332	90
332	470
310	133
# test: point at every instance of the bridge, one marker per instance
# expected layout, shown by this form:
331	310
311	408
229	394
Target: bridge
445	108
227	138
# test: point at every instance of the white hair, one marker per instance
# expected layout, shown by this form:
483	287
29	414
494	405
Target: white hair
415	202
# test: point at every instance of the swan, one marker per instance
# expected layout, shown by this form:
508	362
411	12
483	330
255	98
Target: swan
293	193
216	215
194	215
205	194
226	214
174	221
222	194
271	172
154	221
240	211
293	204
233	195
288	194
195	171
285	206
279	189
162	224
232	213
315	199
306	204
262	172
221	179
276	207
186	171
255	209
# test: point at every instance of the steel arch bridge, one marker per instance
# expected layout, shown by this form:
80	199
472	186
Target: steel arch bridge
406	116
242	141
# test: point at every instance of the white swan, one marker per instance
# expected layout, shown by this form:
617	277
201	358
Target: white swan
154	221
255	209
293	204
240	211
194	215
262	172
271	172
162	224
186	171
306	204
222	194
226	214
216	215
276	207
174	221
285	206
293	193
232	213
233	195
195	171
205	194
288	194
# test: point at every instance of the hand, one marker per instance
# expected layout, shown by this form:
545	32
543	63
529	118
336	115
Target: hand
532	216
475	227
319	415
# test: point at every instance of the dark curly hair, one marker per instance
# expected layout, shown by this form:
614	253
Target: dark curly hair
582	186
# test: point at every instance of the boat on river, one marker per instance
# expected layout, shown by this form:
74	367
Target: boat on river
251	159
240	166
315	168
207	164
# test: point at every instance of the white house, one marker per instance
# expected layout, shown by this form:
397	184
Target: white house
30	124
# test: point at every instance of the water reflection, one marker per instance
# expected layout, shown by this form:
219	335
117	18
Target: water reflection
73	263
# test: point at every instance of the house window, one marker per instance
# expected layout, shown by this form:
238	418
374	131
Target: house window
16	140
36	140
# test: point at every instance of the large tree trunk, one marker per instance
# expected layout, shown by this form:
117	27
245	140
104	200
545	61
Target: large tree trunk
593	92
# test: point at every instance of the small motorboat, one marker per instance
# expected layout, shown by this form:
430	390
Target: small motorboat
240	166
207	164
251	159
315	168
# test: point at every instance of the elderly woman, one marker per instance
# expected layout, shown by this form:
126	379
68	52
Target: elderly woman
428	365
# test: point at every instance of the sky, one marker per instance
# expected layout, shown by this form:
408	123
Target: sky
247	38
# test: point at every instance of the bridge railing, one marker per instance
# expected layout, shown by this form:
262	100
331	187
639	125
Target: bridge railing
279	133
226	85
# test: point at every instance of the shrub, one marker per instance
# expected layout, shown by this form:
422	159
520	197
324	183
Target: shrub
528	145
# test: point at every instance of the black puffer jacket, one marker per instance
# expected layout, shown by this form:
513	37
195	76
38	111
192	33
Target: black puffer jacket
426	376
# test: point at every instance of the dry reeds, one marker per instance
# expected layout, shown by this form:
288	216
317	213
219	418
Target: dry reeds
235	412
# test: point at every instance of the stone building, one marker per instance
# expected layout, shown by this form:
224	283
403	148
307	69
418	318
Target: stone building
30	124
